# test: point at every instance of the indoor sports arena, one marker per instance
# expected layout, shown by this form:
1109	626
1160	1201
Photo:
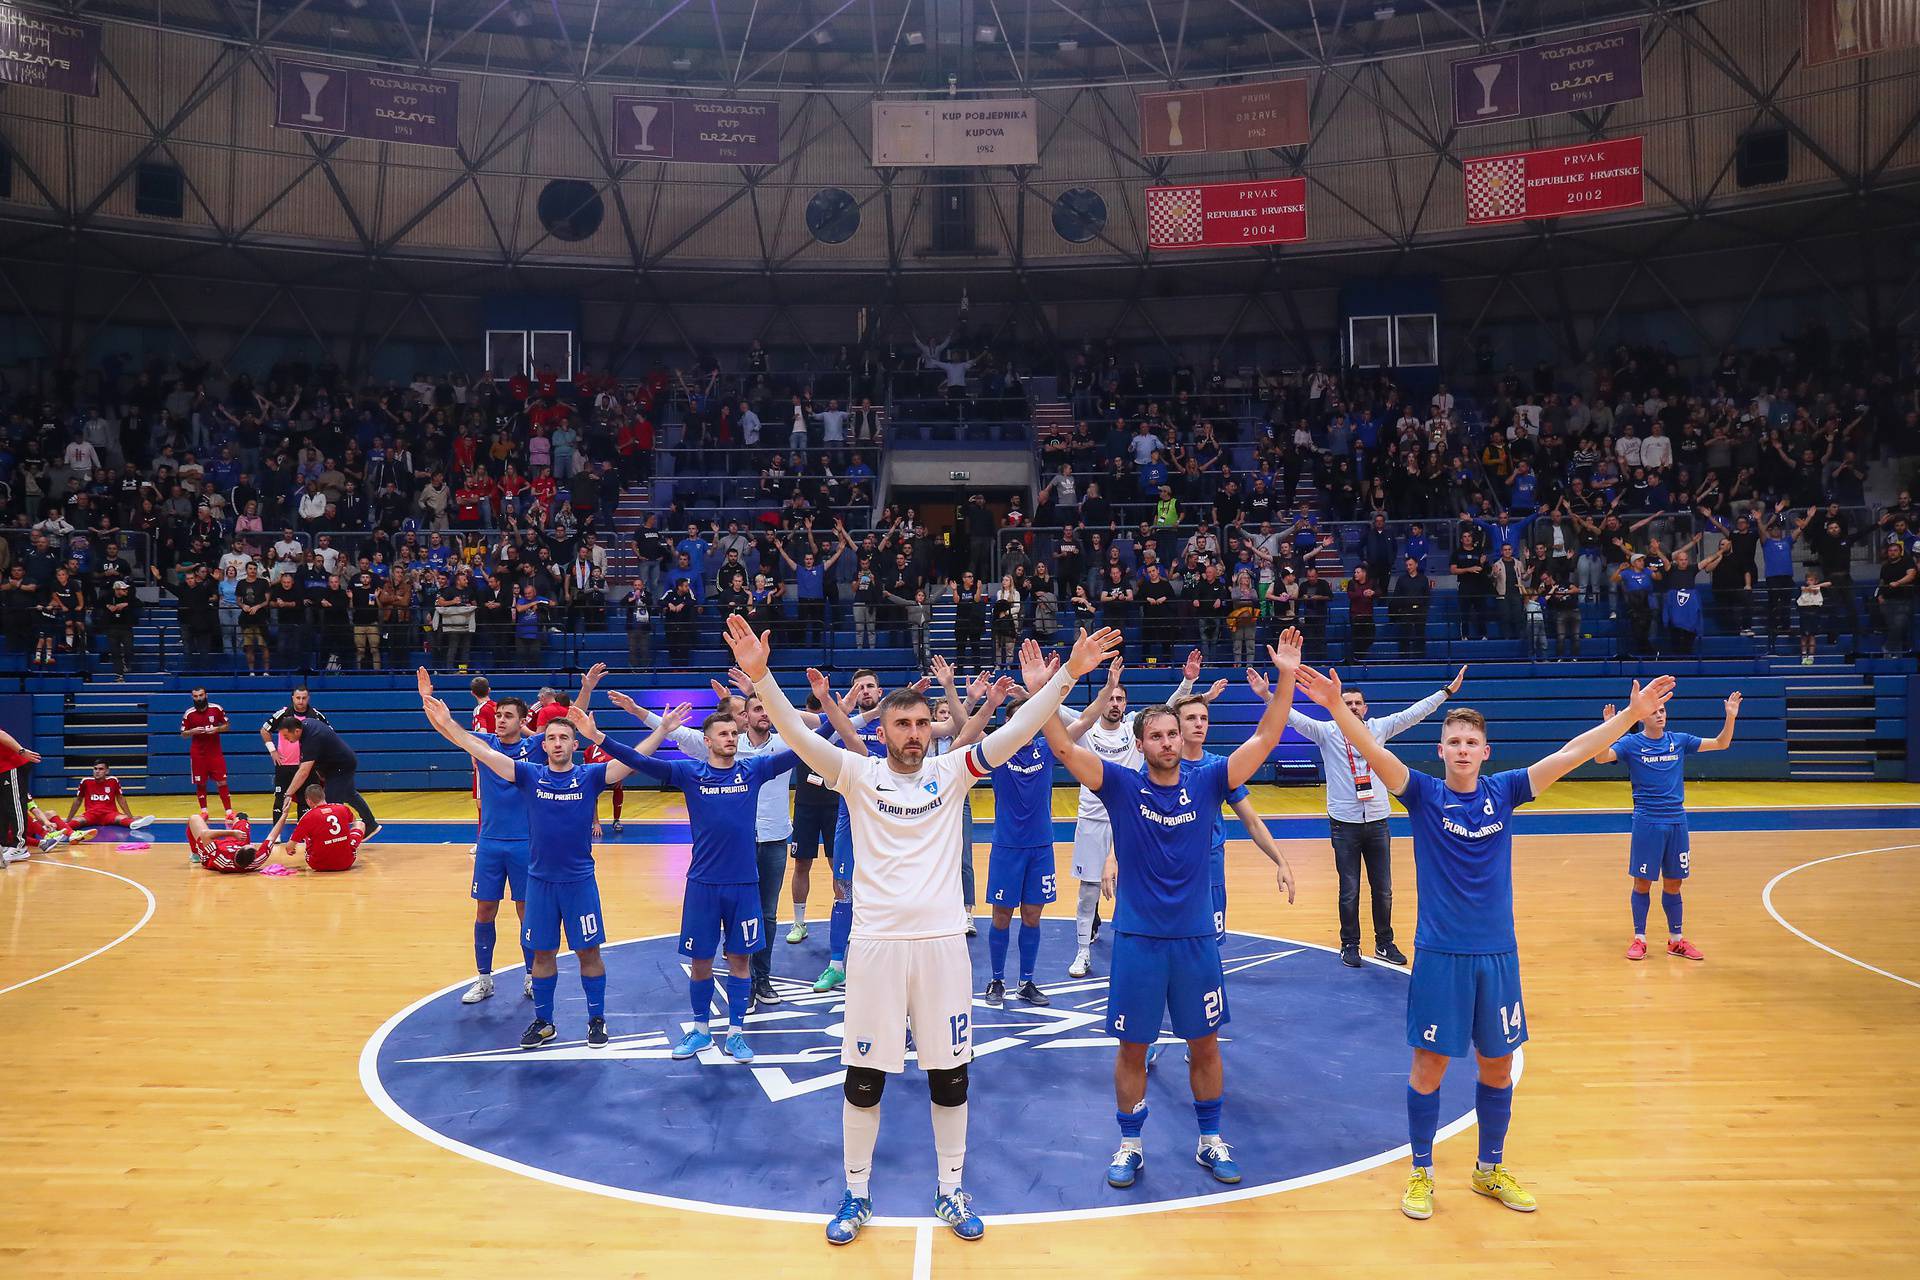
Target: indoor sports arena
1179	574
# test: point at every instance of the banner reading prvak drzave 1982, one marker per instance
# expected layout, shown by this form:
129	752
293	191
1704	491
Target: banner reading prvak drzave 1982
1212	215
41	51
1556	181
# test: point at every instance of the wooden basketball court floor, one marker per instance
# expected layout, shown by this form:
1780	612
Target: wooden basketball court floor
181	1093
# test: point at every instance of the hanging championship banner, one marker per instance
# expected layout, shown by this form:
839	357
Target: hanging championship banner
697	130
314	97
1215	215
1232	117
1573	75
955	133
1855	28
1556	181
44	52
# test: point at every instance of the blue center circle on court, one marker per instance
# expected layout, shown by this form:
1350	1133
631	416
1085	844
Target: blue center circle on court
1316	1070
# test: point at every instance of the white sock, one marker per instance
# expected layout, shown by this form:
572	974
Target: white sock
1083	908
800	913
859	1131
950	1142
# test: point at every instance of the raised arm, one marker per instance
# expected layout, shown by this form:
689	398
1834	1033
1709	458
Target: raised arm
1724	739
1037	673
1607	755
1386	727
751	652
1644	702
1090	652
1077	726
836	713
976	726
624	761
443	723
690	741
1325	692
1251	754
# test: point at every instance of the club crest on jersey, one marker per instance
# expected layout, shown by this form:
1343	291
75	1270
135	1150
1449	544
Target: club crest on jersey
931	786
864	1046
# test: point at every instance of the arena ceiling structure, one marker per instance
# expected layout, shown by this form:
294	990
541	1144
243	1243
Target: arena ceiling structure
195	187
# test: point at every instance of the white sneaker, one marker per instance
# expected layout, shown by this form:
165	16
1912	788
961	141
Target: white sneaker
482	988
13	854
141	823
1082	965
526	991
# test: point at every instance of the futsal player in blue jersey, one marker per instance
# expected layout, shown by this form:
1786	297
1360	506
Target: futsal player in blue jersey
1020	865
865	695
1465	991
1166	961
1196	718
562	894
1660	847
722	901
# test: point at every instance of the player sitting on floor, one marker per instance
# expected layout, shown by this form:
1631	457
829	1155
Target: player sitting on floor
104	802
328	835
51	830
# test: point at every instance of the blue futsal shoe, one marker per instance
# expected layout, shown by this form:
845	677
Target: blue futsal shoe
737	1048
855	1213
957	1212
694	1041
1216	1159
1126	1166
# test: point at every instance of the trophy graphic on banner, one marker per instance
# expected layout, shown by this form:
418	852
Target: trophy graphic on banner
1175	138
1487	73
644	114
314	82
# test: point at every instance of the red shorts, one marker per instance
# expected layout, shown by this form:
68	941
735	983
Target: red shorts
338	857
104	817
212	769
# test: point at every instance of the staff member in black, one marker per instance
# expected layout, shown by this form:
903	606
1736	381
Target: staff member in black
286	764
324	753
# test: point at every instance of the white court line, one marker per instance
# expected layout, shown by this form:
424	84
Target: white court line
923	1252
1766	900
138	925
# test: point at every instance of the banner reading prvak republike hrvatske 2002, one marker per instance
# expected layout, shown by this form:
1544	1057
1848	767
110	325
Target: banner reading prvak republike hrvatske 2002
1555	181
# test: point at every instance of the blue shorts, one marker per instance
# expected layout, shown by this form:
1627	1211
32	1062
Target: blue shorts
1220	914
1020	874
843	849
498	865
569	905
1156	978
1660	849
1456	1001
812	829
725	914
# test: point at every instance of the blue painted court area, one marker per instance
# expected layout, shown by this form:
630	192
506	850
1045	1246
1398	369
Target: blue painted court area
1316	1065
1292	827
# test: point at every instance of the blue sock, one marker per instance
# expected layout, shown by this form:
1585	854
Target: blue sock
997	938
1670	903
1423	1121
483	936
526	954
839	929
1642	900
596	989
1029	950
1496	1113
1132	1122
739	996
543	997
1208	1114
700	995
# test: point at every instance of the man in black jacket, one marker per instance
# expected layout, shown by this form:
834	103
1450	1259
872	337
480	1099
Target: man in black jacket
199	614
1408	603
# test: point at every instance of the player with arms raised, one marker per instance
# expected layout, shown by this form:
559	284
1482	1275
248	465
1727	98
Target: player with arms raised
1660	846
1465	991
1165	957
908	948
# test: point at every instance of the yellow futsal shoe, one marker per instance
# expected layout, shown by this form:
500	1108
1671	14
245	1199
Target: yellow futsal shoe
1500	1183
1418	1201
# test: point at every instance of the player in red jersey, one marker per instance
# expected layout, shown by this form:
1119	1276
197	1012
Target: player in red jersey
13	797
328	836
226	850
51	830
484	721
202	726
103	800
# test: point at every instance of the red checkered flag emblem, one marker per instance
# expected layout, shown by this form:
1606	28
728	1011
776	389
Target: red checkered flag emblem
1496	188
1173	216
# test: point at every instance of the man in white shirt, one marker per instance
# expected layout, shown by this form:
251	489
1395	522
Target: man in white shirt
1357	814
908	954
1656	450
1443	402
286	554
1628	449
82	459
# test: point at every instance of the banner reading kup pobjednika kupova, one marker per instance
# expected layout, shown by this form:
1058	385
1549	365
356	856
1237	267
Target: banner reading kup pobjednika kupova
315	97
1213	215
955	133
1556	181
41	51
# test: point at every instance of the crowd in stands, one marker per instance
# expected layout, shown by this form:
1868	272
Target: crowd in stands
299	522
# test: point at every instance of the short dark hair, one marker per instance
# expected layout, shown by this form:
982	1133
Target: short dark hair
519	704
102	764
479	686
723	715
289	723
1151	713
866	673
901	700
315	792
